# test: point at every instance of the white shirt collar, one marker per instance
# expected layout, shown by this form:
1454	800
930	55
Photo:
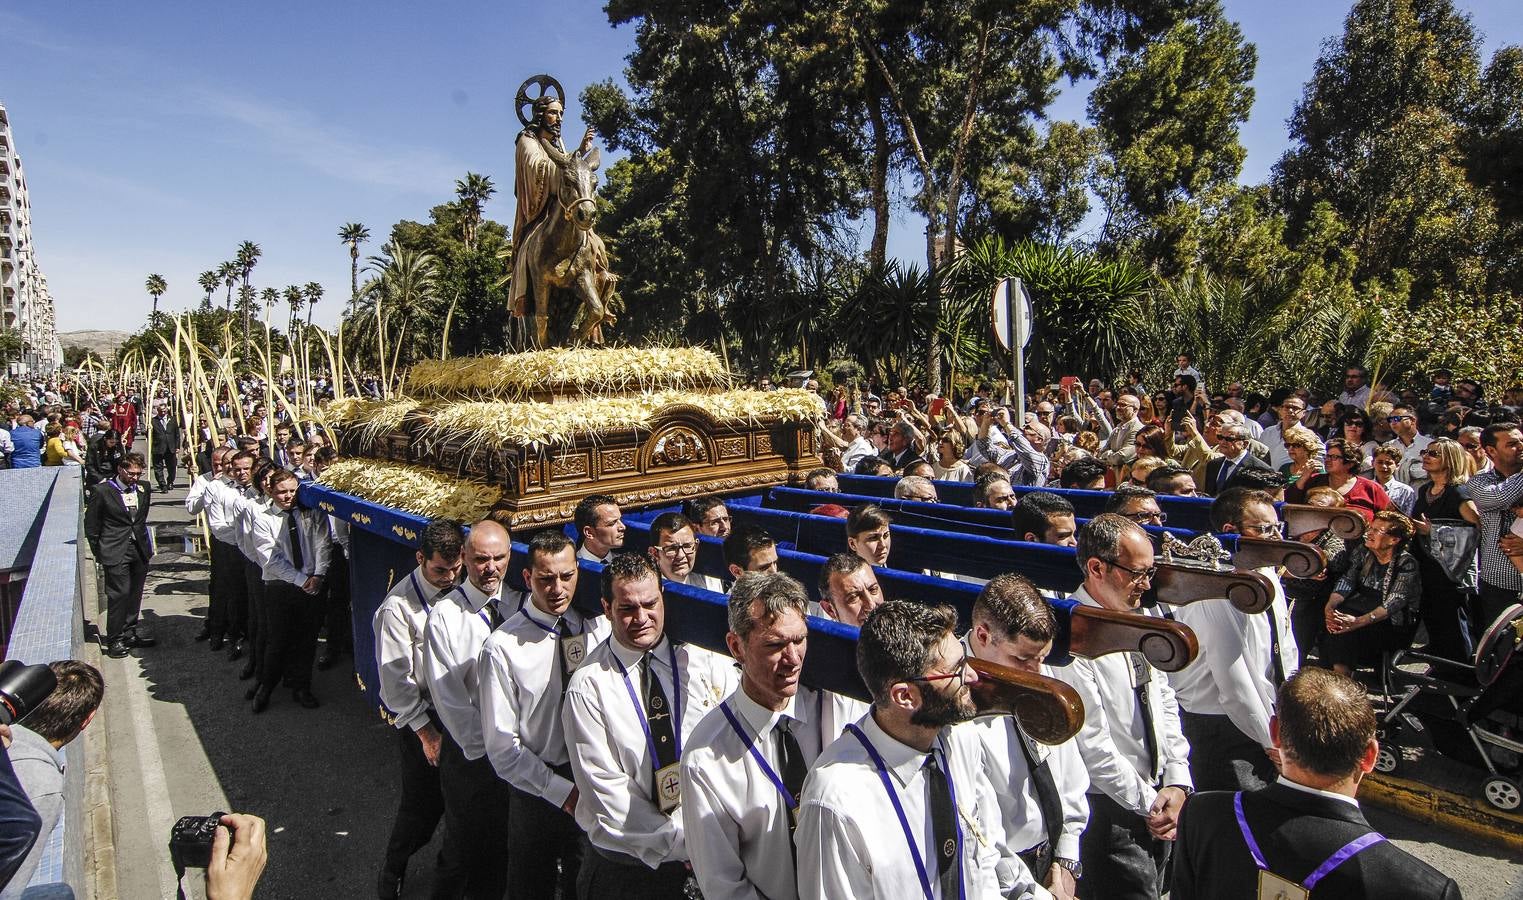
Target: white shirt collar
631	658
1331	795
542	618
760	718
475	600
901	759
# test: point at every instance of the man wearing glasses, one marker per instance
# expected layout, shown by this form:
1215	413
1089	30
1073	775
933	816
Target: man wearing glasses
674	550
1138	504
1232	443
1226	697
1403	422
1131	742
116	525
1291	409
900	805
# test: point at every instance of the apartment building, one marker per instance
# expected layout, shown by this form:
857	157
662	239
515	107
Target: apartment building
25	303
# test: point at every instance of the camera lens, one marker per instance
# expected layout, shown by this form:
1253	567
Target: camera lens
22	687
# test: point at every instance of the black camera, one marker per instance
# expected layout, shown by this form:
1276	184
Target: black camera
190	841
22	687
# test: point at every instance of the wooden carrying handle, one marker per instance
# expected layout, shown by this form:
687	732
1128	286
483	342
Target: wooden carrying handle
1179	585
1300	560
1169	646
1300	518
1049	710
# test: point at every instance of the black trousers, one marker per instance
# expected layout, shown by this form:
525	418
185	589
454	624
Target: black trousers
164	469
604	878
253	582
1308	622
291	620
336	602
419	808
1490	604
547	847
1222	758
228	593
124	595
1122	860
474	862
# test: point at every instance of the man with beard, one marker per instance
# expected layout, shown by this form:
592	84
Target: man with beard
709	515
901	799
629	710
744	770
1137	757
473	862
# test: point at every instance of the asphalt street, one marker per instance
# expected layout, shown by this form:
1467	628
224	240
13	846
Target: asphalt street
181	740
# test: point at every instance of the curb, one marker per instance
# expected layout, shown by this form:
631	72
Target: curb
100	835
1425	803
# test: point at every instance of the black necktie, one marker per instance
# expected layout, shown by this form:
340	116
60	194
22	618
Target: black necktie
792	758
494	614
1149	739
658	713
294	523
563	637
944	827
1277	666
1046	789
1226	473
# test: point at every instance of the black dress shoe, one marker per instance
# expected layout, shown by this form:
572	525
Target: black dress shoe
136	638
204	633
249	694
305	699
262	700
389	887
116	649
248	671
237	651
216	644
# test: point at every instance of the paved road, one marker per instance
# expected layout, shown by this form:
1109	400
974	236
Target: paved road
182	741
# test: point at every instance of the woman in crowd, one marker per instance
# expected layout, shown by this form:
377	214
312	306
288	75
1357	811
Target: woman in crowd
58	451
949	464
1304	448
1342	462
1355	429
1308	596
1373	611
1440	505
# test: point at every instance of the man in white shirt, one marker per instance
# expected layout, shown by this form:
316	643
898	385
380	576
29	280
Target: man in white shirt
858	447
473	862
1040	789
1403	422
242	504
629	710
525	666
1226	696
674	549
600	526
1289	406
849	591
743	769
1385	461
750	548
1356	392
291	546
900	805
221	574
1137	757
709	515
1118	449
399	647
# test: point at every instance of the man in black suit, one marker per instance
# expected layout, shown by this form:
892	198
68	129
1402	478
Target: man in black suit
166	445
1304	834
116	525
1232	444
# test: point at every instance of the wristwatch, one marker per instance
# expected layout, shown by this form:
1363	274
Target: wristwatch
1072	865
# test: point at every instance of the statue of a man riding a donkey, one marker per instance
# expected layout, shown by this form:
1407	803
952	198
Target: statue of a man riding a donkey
554	246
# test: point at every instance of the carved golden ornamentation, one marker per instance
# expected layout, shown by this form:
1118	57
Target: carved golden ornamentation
731	448
764	445
572	465
618	460
678	446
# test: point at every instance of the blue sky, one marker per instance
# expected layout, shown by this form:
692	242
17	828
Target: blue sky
156	136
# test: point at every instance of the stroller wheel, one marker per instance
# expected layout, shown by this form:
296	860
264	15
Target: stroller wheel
1502	793
1385	761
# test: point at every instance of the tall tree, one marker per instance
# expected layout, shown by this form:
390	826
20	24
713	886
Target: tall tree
294	299
227	273
354	234
472	191
245	259
404	284
156	286
311	292
1377	138
209	282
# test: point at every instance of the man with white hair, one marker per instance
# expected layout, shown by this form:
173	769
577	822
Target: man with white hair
858	447
916	488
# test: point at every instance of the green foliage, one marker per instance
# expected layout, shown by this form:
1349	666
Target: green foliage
1446	332
75	356
12	346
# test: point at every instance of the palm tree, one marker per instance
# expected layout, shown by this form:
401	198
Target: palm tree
405	290
293	297
208	282
270	297
156	286
227	273
245	259
354	234
313	292
473	191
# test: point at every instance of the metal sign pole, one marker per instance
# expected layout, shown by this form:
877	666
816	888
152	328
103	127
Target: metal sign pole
1017	349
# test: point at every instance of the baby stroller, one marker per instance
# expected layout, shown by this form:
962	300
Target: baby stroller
1453	702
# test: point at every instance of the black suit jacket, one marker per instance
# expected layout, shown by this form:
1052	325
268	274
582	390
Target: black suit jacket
115	535
166	436
1214	470
1296	832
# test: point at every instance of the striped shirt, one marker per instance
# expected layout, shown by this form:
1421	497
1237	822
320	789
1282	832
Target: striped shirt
1494	496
